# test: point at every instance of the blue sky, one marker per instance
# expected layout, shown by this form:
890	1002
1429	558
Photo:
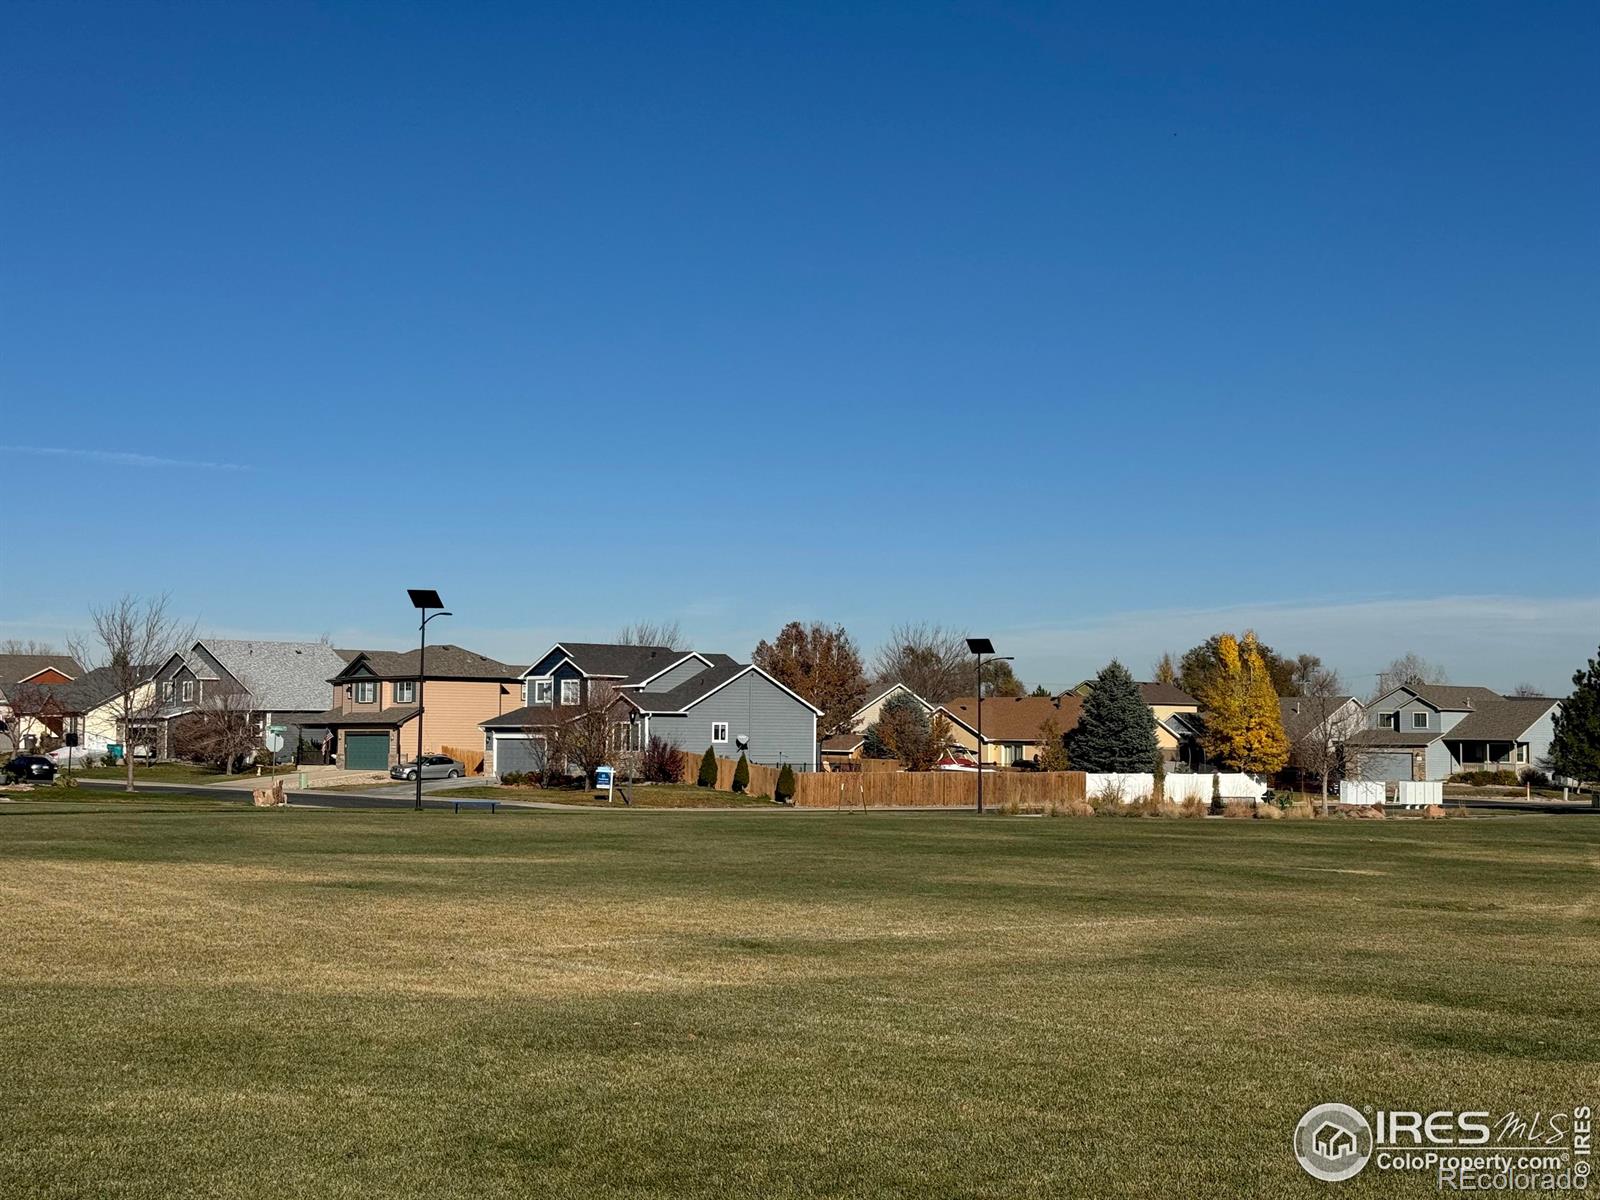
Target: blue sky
1092	328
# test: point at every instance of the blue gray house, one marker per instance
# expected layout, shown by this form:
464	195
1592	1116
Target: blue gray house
1433	731
687	698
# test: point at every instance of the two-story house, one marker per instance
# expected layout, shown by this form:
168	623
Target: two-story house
1433	731
372	724
280	684
689	699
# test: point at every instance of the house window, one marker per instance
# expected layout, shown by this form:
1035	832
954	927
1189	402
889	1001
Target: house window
405	692
188	689
1387	720
1419	720
719	731
172	689
569	691
1522	752
366	692
543	689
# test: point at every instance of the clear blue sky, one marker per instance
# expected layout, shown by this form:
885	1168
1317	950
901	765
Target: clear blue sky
1093	328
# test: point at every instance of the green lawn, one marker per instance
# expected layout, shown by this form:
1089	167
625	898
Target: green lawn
155	773
339	1004
649	795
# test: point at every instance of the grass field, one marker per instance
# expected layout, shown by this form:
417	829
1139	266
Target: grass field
335	1004
652	795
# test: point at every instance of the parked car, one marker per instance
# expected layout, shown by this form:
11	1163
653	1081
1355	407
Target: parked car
434	766
82	756
29	768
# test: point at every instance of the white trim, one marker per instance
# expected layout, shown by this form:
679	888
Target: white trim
533	696
42	670
889	691
719	741
397	684
577	698
558	646
1414	725
665	669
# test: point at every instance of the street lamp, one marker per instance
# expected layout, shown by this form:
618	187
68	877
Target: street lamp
423	599
980	647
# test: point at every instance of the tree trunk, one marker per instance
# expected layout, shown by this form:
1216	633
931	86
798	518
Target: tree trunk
127	739
1324	791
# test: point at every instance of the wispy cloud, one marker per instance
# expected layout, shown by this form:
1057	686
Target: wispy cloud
122	458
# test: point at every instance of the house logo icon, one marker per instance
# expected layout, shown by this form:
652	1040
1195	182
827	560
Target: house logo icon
1332	1142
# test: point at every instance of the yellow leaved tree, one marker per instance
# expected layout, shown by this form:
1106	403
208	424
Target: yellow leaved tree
1244	727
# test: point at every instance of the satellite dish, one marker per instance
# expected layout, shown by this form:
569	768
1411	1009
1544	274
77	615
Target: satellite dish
742	741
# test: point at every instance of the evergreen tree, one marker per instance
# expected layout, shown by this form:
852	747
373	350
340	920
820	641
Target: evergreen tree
784	791
741	774
1216	794
1117	731
1158	784
1575	749
708	769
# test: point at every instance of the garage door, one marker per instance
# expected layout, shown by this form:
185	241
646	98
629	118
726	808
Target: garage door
1390	768
366	751
513	754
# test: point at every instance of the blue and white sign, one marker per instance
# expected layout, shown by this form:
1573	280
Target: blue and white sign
603	777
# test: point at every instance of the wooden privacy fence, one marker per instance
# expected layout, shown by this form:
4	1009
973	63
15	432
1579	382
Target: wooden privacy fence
471	759
938	789
763	779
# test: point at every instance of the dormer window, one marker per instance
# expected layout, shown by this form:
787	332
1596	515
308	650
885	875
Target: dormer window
1419	720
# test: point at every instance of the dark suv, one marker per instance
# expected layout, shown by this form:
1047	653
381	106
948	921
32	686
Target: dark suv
29	768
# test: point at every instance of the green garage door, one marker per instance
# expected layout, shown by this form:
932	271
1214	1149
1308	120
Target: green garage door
366	751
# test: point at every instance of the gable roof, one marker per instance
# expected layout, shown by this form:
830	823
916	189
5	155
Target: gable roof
1302	714
609	660
843	743
16	668
1183	725
723	671
444	661
884	691
1503	721
91	689
1444	696
1166	694
1015	718
280	676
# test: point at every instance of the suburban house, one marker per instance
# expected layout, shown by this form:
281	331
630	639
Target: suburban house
689	699
372	723
25	715
1433	731
1179	725
1011	724
1313	723
850	745
280	684
91	705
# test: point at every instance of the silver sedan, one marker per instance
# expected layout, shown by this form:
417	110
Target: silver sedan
434	766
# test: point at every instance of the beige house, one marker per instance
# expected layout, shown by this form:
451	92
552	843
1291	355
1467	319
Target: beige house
1177	714
372	724
850	745
1012	725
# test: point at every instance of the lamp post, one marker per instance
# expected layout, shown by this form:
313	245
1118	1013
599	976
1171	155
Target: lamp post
980	647
423	599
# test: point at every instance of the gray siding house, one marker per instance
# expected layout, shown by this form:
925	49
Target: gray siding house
1433	731
689	699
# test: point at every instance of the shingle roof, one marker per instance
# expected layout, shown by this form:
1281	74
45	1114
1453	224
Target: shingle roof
337	718
620	662
1166	694
721	670
1302	714
14	668
444	661
91	689
281	676
1391	737
533	716
843	743
1453	697
1503	721
1016	718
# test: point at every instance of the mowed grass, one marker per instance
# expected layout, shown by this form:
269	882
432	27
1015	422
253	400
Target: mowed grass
641	795
320	1004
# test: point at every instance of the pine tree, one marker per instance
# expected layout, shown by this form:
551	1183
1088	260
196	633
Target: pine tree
708	769
1117	730
784	791
741	774
1216	794
1158	784
1575	748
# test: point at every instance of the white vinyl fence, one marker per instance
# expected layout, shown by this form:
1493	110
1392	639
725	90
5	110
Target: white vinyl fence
1361	791
1137	786
1420	794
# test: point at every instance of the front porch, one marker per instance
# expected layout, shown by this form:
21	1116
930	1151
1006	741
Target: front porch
1485	755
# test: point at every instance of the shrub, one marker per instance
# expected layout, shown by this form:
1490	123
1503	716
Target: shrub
512	779
1433	813
708	769
784	792
1192	807
741	774
662	763
1217	808
1536	778
1109	799
1267	812
1237	809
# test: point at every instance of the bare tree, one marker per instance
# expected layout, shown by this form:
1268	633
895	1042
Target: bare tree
132	636
1528	691
1409	670
26	646
651	633
223	729
574	737
28	711
932	661
1320	721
